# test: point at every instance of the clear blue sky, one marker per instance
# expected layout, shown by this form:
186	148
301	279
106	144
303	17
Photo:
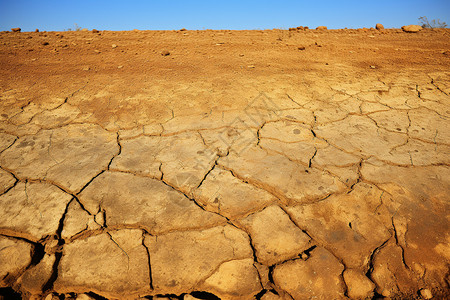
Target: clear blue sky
157	15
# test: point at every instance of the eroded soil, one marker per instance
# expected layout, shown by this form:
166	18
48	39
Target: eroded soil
241	164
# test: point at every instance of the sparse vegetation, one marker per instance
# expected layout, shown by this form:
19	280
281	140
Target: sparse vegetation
432	23
75	28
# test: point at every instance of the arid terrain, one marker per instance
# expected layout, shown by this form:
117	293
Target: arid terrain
263	164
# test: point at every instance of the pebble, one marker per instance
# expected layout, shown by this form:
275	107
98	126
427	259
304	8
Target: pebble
412	28
301	48
95	31
379	26
97	51
321	28
45	43
165	53
119	67
426	293
114	46
251	66
86	69
373	67
17	29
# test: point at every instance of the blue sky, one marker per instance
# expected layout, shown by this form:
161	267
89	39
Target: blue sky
167	15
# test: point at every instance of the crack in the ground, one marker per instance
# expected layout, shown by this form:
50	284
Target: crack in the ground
437	87
144	232
398	244
121	249
372	257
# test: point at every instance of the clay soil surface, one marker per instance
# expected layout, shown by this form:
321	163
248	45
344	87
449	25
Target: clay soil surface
185	164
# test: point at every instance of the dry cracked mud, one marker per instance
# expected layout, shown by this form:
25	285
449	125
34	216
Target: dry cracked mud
235	167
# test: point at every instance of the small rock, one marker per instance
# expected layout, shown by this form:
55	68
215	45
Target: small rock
84	29
183	29
251	66
86	69
426	293
119	67
292	29
45	43
97	51
165	53
17	29
95	31
114	46
37	30
379	26
322	28
300	28
446	52
412	28
301	48
373	67
359	286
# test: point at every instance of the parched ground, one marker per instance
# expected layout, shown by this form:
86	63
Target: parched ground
233	164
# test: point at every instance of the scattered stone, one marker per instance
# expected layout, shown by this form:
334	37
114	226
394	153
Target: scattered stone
321	28
45	43
165	53
412	28
274	237
37	30
379	26
301	48
373	67
358	285
251	66
97	51
86	68
183	29
114	46
119	67
426	293
318	277
17	29
95	31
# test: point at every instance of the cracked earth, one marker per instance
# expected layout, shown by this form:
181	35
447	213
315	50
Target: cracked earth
237	167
